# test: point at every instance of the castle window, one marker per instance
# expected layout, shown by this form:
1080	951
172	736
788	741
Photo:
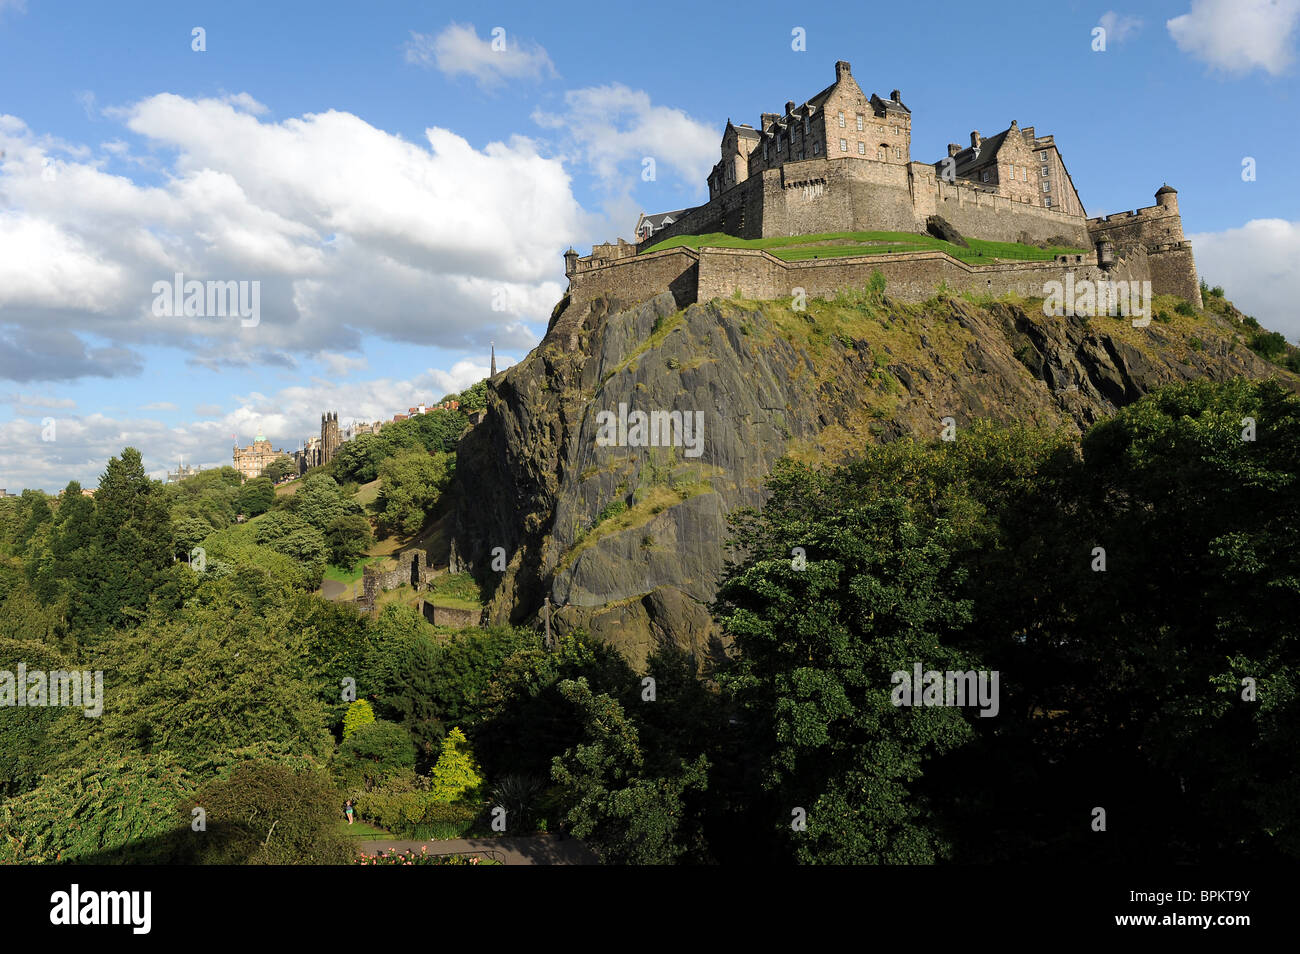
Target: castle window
817	149
1047	201
1013	172
844	145
985	176
1024	174
841	120
881	152
1046	173
862	148
1047	186
1043	155
898	152
859	122
806	124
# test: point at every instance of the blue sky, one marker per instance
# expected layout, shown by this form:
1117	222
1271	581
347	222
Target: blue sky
402	191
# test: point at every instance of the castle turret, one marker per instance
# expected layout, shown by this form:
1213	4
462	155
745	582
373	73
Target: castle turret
570	262
1167	198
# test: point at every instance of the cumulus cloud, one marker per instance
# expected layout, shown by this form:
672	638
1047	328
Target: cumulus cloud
1239	36
349	230
613	129
459	51
1255	264
1119	27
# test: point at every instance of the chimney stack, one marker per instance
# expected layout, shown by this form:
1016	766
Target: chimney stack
842	69
789	108
975	139
768	119
953	148
896	96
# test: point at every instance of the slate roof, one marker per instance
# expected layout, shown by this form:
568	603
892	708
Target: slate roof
969	163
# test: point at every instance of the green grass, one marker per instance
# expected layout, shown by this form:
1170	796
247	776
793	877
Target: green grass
454	591
361	830
348	577
793	248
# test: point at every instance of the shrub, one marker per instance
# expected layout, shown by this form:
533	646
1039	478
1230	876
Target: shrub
1185	308
415	814
457	776
377	749
359	713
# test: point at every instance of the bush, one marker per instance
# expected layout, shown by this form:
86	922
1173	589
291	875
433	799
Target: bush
457	776
415	814
377	749
359	713
1185	308
265	813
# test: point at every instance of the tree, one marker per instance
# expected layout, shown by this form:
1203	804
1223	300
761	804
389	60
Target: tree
630	812
359	714
279	469
348	539
819	642
129	549
377	749
412	484
256	497
457	776
320	501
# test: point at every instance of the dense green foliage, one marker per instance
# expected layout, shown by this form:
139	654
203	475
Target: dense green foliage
1135	590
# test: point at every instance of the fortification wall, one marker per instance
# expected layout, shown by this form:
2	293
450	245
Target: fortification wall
837	195
849	194
1153	225
449	616
738	211
979	214
911	276
636	279
1173	271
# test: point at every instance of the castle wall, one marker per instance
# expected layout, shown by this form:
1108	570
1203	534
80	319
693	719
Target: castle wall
637	278
911	276
984	215
1173	271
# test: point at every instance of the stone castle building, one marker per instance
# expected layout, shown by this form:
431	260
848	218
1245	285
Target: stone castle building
250	461
841	162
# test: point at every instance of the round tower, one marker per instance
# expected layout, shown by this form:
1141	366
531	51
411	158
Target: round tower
1167	198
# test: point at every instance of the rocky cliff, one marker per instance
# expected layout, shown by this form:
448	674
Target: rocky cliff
628	540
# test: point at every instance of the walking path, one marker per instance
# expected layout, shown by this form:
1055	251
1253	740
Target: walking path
529	850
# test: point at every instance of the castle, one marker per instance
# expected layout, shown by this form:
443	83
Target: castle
841	162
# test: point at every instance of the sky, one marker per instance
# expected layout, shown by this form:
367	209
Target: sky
401	179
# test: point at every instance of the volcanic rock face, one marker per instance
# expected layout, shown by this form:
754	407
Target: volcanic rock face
627	539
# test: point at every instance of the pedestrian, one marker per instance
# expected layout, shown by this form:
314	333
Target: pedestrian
348	810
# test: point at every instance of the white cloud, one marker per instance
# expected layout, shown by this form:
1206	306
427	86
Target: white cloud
1255	264
340	365
1119	27
459	51
1238	36
159	406
614	129
463	374
350	230
84	443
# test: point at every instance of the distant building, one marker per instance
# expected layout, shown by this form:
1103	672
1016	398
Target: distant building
250	461
182	471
